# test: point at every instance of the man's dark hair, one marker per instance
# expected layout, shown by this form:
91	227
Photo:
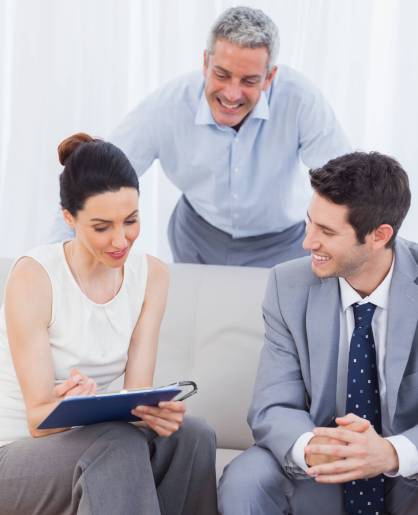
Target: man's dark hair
374	187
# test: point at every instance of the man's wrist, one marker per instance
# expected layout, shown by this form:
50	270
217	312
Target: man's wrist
392	460
297	453
307	459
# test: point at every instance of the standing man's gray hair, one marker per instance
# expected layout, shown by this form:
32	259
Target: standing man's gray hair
248	28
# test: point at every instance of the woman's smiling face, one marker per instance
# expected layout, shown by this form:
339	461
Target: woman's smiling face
107	225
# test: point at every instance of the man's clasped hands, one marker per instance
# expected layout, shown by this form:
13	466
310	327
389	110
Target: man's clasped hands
350	451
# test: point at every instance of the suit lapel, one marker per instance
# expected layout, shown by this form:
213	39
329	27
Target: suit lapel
402	322
323	331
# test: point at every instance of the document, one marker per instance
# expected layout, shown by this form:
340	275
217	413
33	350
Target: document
106	407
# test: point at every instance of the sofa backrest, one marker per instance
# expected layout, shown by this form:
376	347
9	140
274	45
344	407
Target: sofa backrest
212	333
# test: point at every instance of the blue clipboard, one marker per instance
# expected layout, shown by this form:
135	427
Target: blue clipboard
106	407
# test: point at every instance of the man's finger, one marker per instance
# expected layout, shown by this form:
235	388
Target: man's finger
353	422
339	478
338	433
337	467
349	418
341	451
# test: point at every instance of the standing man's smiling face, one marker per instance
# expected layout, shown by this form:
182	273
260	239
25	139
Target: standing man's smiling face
235	77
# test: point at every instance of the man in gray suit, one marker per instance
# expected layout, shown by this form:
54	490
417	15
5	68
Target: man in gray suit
335	407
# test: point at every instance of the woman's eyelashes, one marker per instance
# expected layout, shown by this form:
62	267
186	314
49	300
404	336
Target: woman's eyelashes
104	228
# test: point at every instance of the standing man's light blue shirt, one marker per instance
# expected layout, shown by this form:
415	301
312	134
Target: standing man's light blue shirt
246	183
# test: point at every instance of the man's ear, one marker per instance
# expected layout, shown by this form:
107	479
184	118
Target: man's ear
68	218
382	235
269	79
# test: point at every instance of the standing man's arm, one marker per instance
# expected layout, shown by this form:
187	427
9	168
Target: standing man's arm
320	135
137	134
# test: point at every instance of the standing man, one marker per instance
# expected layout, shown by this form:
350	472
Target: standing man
231	139
335	406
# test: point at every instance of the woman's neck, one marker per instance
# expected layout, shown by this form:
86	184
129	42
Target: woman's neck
100	283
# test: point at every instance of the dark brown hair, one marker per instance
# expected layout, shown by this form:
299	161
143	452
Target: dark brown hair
374	187
91	167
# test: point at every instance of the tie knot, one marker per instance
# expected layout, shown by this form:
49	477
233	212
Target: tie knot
363	314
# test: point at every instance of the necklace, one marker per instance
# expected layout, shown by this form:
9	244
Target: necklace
79	281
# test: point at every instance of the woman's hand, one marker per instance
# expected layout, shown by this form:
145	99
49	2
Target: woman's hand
76	384
165	419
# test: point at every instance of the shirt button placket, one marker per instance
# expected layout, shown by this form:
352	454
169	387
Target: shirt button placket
234	189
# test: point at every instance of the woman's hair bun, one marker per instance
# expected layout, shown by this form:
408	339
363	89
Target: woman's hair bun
67	146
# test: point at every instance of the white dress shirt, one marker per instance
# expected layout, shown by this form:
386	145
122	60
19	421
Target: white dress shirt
406	450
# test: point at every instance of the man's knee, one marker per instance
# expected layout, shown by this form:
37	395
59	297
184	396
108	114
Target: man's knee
245	476
254	479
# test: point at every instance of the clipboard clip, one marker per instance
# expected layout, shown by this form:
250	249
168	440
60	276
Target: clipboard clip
188	394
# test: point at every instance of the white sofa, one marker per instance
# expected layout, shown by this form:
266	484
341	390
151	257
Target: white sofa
212	333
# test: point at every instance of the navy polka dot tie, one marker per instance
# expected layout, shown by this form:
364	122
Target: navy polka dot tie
364	496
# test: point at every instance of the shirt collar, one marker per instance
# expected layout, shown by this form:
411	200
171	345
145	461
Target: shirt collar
379	297
261	109
204	114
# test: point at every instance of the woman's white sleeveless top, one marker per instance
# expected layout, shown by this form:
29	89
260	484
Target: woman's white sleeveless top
92	337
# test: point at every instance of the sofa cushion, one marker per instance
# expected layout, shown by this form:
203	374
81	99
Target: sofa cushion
212	333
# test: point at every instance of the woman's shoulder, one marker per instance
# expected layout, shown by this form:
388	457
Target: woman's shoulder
27	268
48	252
156	266
148	269
145	265
157	269
32	269
158	280
145	277
28	280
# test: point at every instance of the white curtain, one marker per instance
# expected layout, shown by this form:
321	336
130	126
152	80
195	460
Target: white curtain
80	65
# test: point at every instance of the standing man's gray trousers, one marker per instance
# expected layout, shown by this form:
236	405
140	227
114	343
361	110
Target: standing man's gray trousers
193	240
112	468
254	484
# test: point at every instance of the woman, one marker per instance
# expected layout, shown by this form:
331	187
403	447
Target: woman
79	314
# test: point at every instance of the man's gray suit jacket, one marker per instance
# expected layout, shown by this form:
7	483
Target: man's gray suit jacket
296	382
